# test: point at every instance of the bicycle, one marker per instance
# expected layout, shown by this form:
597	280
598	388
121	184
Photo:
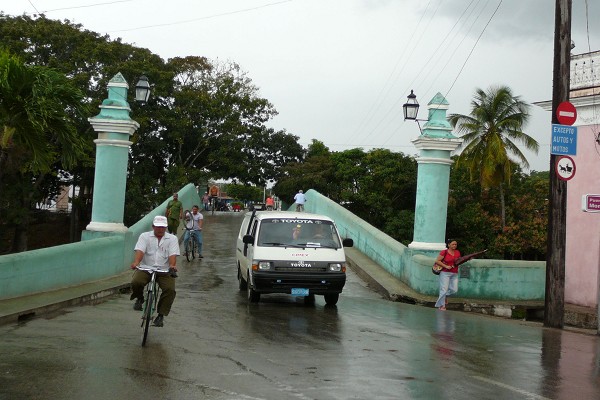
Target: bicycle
191	246
299	207
151	300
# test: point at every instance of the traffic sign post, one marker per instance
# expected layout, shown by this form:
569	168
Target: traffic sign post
566	113
565	168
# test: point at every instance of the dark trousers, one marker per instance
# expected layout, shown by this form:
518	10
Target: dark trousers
173	225
167	286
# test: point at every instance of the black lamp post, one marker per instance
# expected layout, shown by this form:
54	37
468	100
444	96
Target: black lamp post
411	109
142	89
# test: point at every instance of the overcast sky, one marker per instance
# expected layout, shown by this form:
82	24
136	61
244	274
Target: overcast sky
340	70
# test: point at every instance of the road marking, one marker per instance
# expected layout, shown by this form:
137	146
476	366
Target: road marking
525	393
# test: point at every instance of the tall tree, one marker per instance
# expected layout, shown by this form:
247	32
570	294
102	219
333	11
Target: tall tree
39	112
490	134
89	60
205	120
218	123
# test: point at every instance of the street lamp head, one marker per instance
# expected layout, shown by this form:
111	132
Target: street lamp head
411	107
142	89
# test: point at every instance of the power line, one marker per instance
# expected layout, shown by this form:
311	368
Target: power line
187	21
473	49
36	10
75	7
428	62
379	97
447	37
407	59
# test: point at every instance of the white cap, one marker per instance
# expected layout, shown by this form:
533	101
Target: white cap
159	220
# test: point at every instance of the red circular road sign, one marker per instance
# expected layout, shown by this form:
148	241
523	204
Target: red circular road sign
566	113
565	168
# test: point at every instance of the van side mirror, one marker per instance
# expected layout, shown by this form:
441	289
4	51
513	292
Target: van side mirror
248	239
347	242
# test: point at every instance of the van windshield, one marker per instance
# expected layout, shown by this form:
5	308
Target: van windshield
298	233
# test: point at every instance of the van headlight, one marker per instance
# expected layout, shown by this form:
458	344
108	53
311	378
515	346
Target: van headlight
337	267
261	266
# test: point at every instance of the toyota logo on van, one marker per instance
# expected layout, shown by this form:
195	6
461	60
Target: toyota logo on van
301	264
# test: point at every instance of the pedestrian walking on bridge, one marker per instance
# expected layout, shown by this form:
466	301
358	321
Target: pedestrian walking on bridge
449	274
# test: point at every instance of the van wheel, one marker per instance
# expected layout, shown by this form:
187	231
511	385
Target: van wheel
253	296
331	299
309	300
243	285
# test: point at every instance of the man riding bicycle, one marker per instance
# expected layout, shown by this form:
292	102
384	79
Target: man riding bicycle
155	250
196	231
299	200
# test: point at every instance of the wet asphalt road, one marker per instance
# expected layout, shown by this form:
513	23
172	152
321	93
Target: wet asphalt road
216	346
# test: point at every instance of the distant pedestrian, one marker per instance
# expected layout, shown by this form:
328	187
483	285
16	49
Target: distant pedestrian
205	200
270	203
174	213
449	274
196	231
299	200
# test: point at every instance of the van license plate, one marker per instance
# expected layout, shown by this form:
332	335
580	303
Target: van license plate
299	292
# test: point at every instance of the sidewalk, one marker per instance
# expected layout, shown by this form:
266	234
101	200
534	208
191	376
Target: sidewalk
23	308
393	289
26	307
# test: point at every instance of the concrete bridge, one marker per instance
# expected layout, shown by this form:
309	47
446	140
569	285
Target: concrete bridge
42	280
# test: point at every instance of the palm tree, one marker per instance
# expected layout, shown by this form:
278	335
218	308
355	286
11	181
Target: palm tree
39	108
489	134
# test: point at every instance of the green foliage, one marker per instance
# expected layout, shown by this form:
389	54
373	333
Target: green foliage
400	225
490	134
472	219
204	120
378	186
245	192
39	110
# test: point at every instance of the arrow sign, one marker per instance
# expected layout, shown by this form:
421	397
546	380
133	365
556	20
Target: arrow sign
566	113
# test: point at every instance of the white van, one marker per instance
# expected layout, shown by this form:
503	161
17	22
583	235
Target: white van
297	253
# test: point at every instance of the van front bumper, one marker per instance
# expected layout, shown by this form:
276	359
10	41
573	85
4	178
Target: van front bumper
316	283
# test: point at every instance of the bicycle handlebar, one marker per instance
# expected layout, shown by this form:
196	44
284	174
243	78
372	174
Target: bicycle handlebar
171	271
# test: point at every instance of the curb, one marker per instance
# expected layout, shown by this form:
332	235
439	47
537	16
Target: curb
27	307
391	288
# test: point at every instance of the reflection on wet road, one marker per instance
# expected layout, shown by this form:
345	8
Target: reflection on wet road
216	346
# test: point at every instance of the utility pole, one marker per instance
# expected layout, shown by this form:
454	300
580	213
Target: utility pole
557	214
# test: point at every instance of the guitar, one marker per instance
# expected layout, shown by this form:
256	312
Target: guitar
465	258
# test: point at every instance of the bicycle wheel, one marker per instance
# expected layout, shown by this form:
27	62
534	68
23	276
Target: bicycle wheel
188	221
194	246
189	248
147	316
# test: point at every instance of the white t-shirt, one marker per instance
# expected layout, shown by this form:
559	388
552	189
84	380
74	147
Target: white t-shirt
300	198
197	218
156	256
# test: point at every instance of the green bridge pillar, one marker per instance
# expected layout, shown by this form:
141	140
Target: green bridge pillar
114	127
435	143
